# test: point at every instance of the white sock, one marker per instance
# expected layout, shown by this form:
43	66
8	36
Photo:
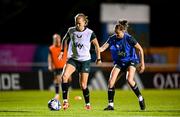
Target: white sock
56	95
88	104
65	100
140	98
111	104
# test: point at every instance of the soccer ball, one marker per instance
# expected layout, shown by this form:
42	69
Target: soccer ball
54	105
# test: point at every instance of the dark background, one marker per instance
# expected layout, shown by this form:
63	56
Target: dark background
35	21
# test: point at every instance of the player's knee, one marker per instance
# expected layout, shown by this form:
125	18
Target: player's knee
83	86
56	81
111	84
65	77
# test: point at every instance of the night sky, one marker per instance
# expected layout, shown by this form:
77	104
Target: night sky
30	21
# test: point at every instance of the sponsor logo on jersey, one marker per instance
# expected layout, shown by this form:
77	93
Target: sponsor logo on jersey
78	45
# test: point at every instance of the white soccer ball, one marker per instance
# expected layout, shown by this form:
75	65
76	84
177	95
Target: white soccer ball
54	104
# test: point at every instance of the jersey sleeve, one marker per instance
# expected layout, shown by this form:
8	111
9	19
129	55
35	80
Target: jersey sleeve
109	41
93	36
132	41
67	35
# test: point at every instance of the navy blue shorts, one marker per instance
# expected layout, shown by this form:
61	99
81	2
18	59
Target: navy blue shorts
123	66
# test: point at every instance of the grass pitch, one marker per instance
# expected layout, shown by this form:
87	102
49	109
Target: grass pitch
159	103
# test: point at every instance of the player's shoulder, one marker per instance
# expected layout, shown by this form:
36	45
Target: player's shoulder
127	35
51	46
71	29
89	30
112	36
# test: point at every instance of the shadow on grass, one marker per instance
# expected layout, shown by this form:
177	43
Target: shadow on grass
14	111
169	111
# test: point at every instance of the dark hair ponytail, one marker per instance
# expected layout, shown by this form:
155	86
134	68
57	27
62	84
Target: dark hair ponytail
123	24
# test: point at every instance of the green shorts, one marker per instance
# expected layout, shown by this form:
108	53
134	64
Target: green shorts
81	66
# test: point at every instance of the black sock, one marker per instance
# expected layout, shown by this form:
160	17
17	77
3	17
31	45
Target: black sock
111	93
86	95
65	90
136	90
56	88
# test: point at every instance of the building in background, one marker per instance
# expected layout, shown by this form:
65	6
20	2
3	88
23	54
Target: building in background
138	16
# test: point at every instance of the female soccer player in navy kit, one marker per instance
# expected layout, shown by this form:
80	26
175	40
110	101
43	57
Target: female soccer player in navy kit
79	56
127	55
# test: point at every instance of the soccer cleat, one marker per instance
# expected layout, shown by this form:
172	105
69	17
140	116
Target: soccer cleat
65	105
88	107
109	108
142	105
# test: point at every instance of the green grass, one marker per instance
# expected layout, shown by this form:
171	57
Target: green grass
160	103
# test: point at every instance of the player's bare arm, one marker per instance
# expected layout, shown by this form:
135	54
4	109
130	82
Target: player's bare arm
63	45
49	62
104	47
141	55
96	44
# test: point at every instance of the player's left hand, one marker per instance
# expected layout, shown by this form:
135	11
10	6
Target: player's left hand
141	68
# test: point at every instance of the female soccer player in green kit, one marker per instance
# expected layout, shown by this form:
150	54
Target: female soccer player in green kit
79	57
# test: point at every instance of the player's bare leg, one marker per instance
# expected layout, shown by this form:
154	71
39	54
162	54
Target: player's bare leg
134	87
56	83
69	69
83	83
111	90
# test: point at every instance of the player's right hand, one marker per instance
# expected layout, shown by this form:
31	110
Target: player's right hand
60	56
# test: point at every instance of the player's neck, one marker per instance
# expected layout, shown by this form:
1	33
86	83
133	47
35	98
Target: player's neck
81	29
57	45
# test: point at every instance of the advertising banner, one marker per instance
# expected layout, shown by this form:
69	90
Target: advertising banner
98	80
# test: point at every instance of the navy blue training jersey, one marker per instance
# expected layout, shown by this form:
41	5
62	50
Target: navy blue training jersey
122	50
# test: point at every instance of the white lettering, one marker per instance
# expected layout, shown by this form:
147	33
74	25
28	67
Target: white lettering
9	81
169	81
159	81
15	81
166	81
6	81
175	76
